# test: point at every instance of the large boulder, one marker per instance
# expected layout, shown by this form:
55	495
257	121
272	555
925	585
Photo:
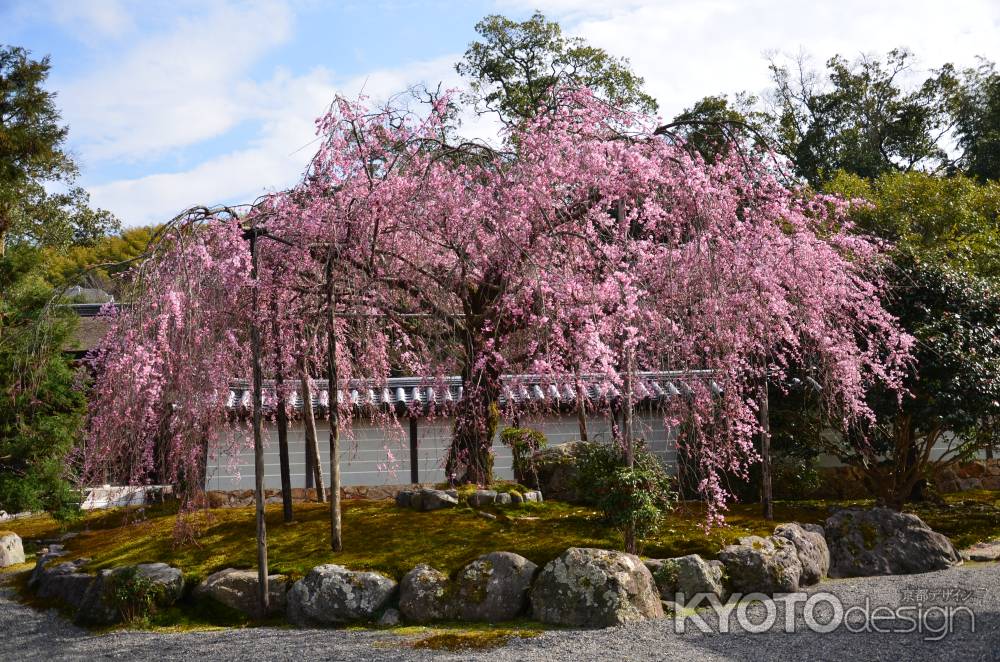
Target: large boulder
595	588
426	499
11	549
121	593
688	575
881	541
557	470
333	595
237	589
494	587
64	582
762	565
425	595
810	545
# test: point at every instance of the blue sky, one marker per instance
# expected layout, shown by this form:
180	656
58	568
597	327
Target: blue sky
177	103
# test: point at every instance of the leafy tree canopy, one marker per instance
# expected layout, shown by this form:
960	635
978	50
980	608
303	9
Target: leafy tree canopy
32	154
860	118
516	65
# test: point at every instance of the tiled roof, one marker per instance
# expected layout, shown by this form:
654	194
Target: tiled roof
408	392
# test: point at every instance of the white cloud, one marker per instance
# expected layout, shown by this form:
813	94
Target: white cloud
196	82
174	88
286	107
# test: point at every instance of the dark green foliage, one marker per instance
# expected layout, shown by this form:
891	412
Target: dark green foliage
523	444
978	122
32	154
41	410
133	595
514	67
639	495
714	124
860	119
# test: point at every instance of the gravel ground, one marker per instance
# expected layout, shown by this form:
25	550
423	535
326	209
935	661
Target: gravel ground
29	635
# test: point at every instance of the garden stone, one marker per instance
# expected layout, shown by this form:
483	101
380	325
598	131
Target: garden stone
810	545
425	595
595	588
533	496
64	582
482	498
503	499
11	550
982	551
333	595
688	575
881	541
403	498
390	618
237	589
428	499
99	606
516	499
556	467
762	565
494	587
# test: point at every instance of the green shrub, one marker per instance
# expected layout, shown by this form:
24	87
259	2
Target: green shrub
523	444
133	595
639	495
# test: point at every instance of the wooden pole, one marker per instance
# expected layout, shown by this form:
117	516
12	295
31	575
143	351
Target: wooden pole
263	595
314	468
581	407
766	493
414	452
631	545
333	381
286	472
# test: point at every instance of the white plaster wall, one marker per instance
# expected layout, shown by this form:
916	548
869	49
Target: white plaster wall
375	455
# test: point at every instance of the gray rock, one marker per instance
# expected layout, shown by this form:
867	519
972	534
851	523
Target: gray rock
982	551
389	618
428	499
403	498
594	588
494	587
516	499
881	541
762	565
556	467
333	595
237	589
481	498
100	606
63	582
503	499
534	496
11	550
425	595
688	575
810	545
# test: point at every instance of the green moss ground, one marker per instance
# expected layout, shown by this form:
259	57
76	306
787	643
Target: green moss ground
378	536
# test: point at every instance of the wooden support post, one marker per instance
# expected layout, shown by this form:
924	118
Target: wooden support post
333	381
263	594
767	495
414	454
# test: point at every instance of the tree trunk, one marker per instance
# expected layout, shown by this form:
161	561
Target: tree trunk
312	443
476	421
286	474
282	416
263	594
631	545
581	407
766	492
333	381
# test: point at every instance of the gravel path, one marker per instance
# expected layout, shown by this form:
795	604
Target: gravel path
29	635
